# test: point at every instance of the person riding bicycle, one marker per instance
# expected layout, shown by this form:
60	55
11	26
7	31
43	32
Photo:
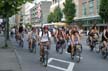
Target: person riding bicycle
105	37
32	38
44	38
75	39
93	35
60	38
21	34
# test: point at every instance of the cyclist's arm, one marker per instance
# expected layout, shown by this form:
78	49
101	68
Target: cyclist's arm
64	36
105	35
49	36
72	38
79	39
29	36
56	35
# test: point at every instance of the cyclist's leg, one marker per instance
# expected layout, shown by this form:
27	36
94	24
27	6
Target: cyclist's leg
72	50
105	45
41	51
48	44
91	39
30	43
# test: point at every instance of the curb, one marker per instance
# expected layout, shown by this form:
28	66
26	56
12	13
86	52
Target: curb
18	59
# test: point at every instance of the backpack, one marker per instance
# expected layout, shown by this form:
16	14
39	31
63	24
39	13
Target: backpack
69	49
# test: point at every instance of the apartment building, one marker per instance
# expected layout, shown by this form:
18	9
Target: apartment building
88	13
40	12
59	3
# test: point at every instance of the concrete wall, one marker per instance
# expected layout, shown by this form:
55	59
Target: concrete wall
45	6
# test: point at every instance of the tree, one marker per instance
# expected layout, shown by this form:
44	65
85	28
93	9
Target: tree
103	10
57	14
69	10
50	18
9	8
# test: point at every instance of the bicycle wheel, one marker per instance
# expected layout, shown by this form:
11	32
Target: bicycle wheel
78	52
45	57
21	43
34	48
72	55
97	48
61	50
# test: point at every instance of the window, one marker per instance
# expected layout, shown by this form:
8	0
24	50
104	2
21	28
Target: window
91	7
84	1
84	13
97	5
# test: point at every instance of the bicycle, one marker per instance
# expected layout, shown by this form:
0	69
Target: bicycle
45	55
59	48
33	48
104	51
77	52
93	44
21	40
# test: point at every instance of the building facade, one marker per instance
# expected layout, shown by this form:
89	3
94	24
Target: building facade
88	14
37	1
33	13
59	3
27	15
40	12
23	15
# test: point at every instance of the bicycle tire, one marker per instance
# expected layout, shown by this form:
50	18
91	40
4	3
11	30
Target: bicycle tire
46	58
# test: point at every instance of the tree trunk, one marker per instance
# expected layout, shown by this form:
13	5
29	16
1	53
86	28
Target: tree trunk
6	32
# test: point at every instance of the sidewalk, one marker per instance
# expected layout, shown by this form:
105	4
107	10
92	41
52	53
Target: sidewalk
8	59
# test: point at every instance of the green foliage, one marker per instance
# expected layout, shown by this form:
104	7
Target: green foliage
50	18
69	10
57	14
10	7
103	11
28	25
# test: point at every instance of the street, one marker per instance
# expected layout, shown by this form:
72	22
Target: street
90	61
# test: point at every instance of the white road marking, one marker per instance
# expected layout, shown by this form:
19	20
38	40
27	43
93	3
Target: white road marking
70	67
49	60
57	67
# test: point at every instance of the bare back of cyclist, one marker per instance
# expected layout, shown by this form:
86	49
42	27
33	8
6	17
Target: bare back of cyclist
75	39
32	37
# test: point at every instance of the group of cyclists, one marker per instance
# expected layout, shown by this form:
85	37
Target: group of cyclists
63	36
94	37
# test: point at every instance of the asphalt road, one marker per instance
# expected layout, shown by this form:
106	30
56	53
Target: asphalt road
90	61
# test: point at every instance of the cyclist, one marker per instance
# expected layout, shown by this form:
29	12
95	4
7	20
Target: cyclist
93	34
32	37
75	38
21	35
60	38
21	29
44	38
105	38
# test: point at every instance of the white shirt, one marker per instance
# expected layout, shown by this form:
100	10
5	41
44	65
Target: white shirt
13	30
44	37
